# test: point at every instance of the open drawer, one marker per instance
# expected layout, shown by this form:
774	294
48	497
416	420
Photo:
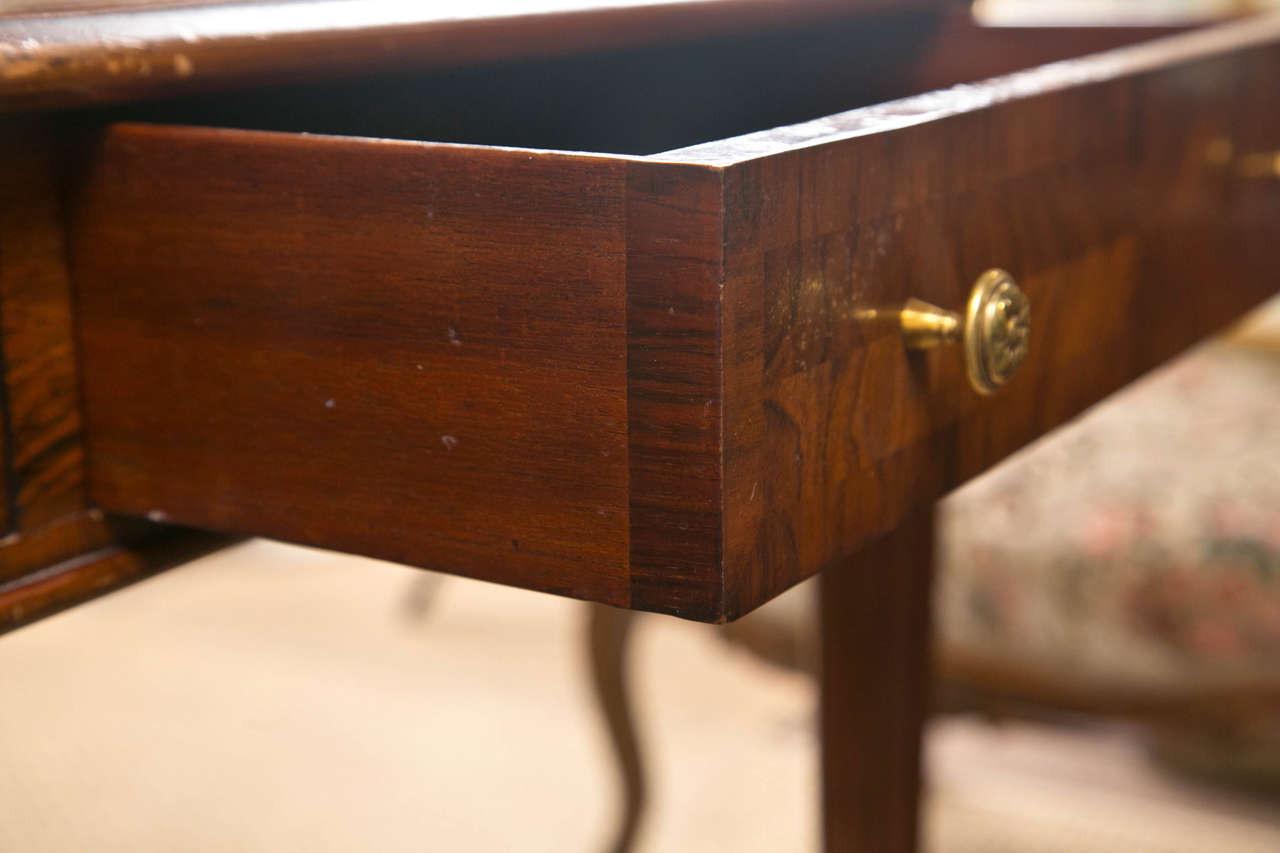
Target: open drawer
656	380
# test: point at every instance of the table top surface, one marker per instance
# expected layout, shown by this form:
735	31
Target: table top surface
55	53
405	10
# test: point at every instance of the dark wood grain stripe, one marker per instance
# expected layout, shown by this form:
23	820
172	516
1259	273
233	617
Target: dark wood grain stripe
674	239
39	400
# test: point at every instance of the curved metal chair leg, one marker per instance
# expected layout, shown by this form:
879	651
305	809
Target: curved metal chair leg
608	630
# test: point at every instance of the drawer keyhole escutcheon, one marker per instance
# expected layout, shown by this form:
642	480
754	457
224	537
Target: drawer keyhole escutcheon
994	330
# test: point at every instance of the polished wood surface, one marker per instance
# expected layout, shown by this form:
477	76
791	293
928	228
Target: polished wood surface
128	554
414	352
674	231
875	677
665	392
89	51
45	515
1088	180
660	382
56	549
702	69
44	458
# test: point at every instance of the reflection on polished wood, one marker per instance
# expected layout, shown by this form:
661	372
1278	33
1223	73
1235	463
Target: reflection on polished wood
637	380
56	549
64	52
712	302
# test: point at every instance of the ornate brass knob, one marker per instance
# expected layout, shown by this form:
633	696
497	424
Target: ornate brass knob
994	331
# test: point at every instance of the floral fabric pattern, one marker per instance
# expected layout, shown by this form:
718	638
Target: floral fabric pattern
1139	545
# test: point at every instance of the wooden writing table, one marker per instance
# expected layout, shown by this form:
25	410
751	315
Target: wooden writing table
240	294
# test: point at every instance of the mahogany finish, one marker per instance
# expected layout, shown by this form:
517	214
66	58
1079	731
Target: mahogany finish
674	232
127	554
1089	181
663	382
664	391
56	550
44	460
875	690
65	52
415	352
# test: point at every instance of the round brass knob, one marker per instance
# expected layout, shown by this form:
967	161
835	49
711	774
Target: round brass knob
1222	154
994	330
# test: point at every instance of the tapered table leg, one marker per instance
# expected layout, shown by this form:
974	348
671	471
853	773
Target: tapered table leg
875	680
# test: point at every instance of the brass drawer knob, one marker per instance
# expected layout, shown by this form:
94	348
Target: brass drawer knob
994	331
1258	164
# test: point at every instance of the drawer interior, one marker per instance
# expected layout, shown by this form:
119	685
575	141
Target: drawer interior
644	100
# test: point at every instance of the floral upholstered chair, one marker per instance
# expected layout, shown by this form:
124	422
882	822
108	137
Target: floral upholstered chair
1131	564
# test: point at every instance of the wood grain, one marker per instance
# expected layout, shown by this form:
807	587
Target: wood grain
98	50
411	351
1170	54
94	572
43	457
1097	196
674	244
46	519
56	549
875	690
663	393
29	551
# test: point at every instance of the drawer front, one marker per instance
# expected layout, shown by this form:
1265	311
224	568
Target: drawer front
1109	201
652	381
363	345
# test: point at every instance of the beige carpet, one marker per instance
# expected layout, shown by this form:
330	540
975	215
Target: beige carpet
271	698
